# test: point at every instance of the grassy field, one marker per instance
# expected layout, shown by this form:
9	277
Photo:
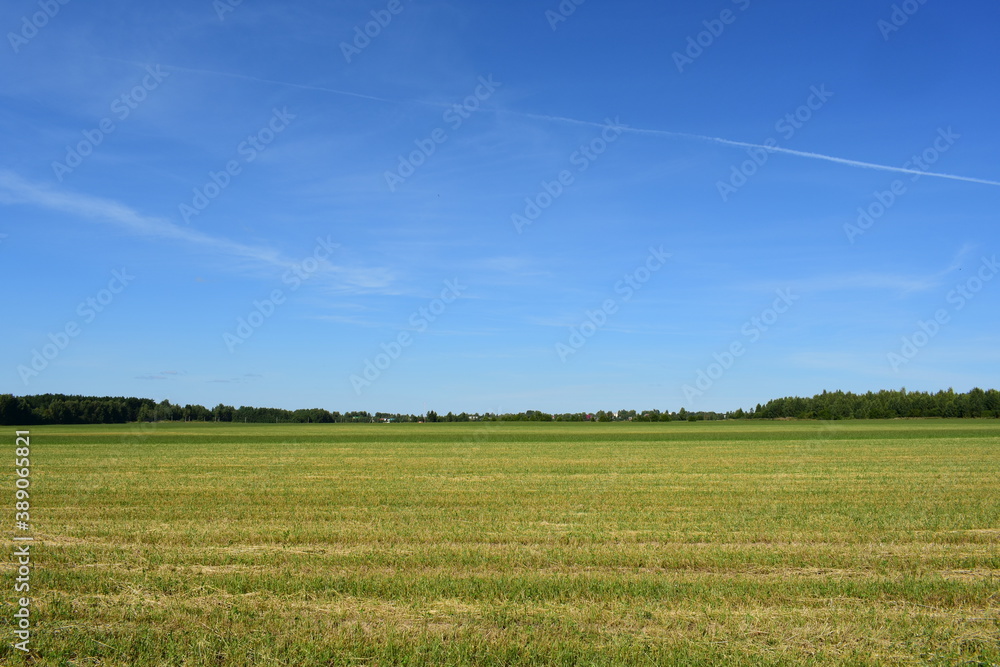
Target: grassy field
732	543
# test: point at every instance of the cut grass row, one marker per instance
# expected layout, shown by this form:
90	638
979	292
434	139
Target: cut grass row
676	543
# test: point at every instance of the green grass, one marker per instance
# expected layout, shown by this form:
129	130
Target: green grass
762	543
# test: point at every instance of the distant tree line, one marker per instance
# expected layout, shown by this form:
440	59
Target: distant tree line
882	405
62	409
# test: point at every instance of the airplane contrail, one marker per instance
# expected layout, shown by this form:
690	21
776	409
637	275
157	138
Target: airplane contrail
633	130
770	149
851	163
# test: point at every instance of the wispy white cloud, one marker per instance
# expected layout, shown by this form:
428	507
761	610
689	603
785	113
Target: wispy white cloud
16	190
870	281
867	280
285	84
959	258
349	320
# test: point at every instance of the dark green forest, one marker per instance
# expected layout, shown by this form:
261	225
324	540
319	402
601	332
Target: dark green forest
62	409
975	404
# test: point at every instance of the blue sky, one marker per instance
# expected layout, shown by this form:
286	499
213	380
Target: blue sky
590	228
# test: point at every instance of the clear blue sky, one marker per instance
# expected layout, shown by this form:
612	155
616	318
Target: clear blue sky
202	150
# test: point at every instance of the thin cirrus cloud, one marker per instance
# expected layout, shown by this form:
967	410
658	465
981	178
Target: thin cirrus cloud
852	282
858	164
869	280
16	190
